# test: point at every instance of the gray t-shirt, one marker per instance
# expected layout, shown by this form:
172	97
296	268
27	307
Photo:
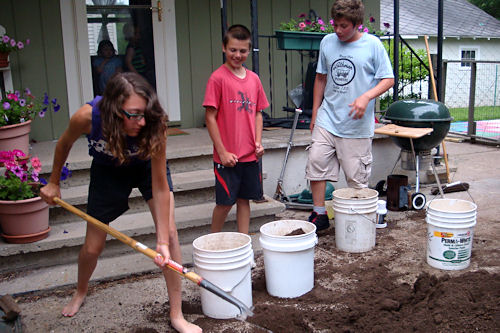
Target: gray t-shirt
352	69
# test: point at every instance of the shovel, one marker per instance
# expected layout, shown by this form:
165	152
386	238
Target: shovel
244	310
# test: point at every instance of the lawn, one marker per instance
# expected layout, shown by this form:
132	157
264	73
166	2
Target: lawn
480	113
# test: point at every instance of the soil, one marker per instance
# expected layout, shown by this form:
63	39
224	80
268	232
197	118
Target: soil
388	289
296	232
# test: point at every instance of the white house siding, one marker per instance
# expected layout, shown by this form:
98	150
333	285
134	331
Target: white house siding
458	77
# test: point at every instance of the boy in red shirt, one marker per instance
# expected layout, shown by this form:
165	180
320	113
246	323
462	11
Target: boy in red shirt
234	99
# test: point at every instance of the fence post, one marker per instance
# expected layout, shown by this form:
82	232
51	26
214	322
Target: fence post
471	128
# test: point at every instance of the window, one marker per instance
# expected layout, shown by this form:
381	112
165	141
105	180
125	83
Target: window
467	54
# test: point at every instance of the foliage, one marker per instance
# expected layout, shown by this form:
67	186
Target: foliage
410	71
16	108
9	44
21	178
491	7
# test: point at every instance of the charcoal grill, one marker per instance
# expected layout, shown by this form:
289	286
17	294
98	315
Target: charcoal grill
431	116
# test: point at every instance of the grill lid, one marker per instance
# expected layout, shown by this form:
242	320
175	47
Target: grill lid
418	111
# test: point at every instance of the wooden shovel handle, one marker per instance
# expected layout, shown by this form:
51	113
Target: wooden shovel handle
128	240
434	90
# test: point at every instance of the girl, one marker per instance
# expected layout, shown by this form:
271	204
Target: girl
106	64
126	130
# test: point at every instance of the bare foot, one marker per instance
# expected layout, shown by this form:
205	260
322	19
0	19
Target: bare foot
74	305
182	325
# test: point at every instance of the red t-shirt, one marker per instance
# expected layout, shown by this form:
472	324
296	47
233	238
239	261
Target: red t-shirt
237	102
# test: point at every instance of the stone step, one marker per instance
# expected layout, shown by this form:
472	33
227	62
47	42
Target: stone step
190	188
64	240
108	268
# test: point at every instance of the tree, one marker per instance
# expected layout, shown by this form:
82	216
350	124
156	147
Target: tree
491	7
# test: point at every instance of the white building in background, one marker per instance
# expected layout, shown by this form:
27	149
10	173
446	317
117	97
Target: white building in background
469	34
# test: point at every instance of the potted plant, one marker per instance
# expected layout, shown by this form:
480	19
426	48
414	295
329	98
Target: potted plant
7	45
17	110
306	32
24	216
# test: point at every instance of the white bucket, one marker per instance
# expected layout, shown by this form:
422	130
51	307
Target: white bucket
288	260
450	228
355	219
225	259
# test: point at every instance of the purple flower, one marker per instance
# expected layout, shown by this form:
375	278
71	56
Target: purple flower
372	19
6	105
65	172
45	99
366	30
332	22
302	15
17	93
308	22
320	21
12	42
28	41
27	91
43	181
34	176
57	107
41	114
387	25
5	39
22	102
16	169
20	45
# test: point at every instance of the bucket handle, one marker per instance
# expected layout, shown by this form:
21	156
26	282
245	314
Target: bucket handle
363	215
230	290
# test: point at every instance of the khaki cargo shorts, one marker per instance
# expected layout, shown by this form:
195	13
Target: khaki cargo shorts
329	152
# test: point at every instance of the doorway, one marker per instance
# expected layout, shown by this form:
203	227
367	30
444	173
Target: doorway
145	27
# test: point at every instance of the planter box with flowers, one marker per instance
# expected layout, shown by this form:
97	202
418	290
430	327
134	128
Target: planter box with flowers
24	216
7	45
303	33
16	113
306	33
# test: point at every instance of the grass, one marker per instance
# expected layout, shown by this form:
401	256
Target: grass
480	113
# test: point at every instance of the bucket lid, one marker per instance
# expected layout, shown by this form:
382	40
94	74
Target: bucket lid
355	193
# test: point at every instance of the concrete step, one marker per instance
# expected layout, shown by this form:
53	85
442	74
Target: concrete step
64	240
192	187
108	268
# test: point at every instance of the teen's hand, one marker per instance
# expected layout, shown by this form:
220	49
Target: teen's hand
228	159
358	107
163	256
259	150
49	192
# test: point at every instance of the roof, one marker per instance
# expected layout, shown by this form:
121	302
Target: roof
461	18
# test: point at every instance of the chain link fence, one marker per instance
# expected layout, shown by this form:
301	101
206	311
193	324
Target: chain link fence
472	93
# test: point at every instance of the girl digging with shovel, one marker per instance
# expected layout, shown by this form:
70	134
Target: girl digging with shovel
126	130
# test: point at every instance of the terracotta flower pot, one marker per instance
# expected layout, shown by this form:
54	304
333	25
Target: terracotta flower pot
16	136
24	221
4	59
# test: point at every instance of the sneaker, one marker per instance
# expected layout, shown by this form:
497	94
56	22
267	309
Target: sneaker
320	221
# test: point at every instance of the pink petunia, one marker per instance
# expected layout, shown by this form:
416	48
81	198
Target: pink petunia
366	30
13	97
36	164
28	41
5	39
320	21
302	25
12	42
322	28
20	45
18	153
332	22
